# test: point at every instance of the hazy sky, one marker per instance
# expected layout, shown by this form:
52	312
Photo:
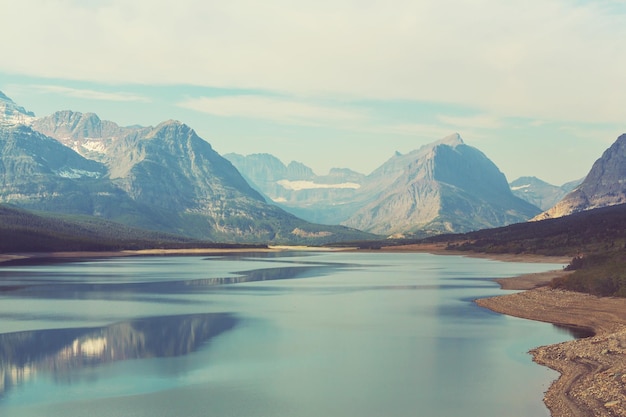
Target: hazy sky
538	85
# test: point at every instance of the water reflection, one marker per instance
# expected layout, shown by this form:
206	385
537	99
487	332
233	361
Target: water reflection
24	355
102	286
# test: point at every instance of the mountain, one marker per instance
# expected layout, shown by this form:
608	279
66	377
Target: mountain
605	185
84	133
540	193
442	187
38	172
163	178
11	113
327	199
446	186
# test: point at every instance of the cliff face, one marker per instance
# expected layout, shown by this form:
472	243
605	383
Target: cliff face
605	185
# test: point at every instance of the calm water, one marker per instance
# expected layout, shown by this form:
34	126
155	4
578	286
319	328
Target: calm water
297	334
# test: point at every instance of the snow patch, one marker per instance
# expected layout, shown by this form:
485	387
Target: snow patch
520	187
94	145
74	173
309	185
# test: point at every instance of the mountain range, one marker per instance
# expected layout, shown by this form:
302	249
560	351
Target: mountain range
163	178
445	186
168	179
539	192
327	199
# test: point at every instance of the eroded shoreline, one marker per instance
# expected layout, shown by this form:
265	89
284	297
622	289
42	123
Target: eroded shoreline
593	370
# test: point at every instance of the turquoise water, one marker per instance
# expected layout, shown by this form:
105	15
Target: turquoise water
296	334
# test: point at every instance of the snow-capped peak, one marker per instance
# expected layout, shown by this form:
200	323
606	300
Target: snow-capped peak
11	114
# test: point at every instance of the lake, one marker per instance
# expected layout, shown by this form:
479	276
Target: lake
281	334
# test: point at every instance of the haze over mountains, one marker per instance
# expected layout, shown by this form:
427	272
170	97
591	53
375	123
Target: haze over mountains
540	193
167	178
163	178
445	186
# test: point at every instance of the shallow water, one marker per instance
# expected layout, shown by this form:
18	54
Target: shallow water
296	334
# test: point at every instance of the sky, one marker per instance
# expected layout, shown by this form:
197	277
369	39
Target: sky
539	86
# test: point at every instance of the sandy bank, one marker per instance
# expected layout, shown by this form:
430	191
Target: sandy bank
593	370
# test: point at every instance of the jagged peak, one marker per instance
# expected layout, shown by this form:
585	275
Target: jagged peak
172	124
174	130
12	114
450	140
74	115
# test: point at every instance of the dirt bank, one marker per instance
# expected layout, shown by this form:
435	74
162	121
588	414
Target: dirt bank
593	370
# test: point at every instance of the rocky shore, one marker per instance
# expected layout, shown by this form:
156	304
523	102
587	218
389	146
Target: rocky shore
593	369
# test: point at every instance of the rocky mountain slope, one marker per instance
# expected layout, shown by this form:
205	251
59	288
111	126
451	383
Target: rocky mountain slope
446	186
327	199
163	178
11	113
539	193
442	187
605	185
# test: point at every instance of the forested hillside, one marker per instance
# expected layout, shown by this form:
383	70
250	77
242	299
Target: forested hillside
25	231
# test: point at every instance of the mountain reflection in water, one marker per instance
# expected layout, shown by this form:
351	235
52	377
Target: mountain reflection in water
23	355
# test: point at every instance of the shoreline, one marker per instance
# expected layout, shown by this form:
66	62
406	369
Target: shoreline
435	249
34	257
592	370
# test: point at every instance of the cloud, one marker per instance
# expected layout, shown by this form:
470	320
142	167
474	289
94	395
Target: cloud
477	122
423	131
278	109
540	59
88	94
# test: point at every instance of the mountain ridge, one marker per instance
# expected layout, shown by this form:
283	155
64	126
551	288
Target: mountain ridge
162	178
604	185
403	195
539	192
444	186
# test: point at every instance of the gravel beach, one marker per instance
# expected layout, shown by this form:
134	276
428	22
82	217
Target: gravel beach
593	369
